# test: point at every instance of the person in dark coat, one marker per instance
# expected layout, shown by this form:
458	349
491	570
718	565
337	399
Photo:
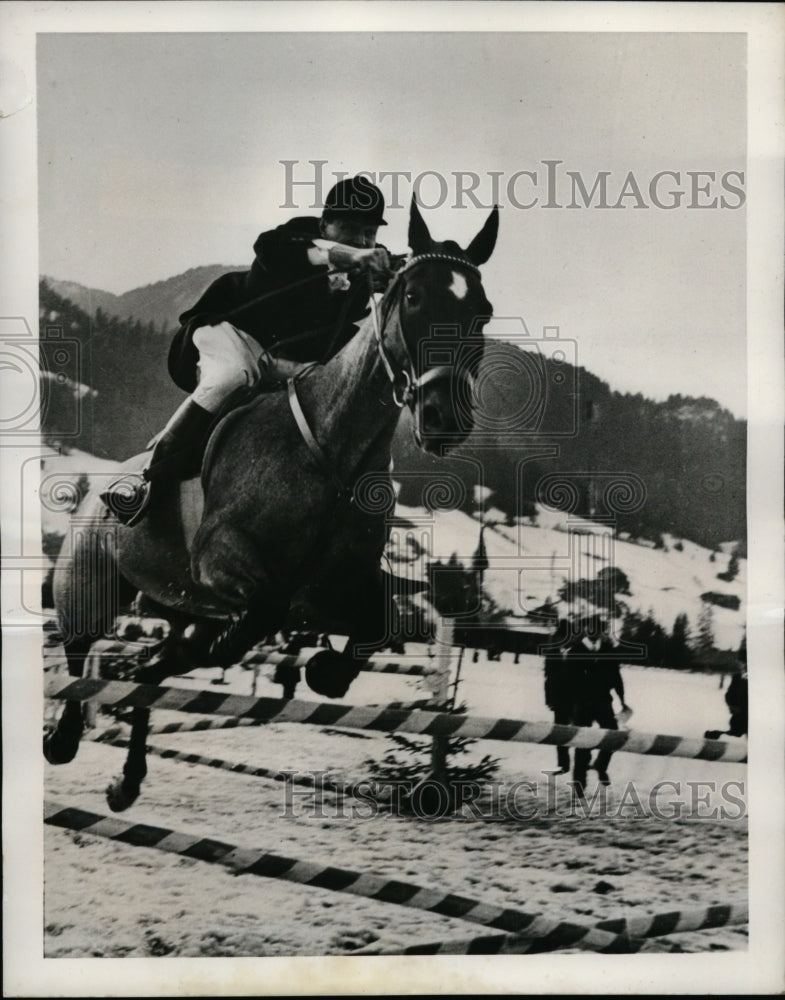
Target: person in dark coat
737	700
597	676
559	687
298	302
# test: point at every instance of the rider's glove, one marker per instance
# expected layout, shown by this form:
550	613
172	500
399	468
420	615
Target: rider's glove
375	261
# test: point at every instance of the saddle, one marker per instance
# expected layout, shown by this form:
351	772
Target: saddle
239	402
193	488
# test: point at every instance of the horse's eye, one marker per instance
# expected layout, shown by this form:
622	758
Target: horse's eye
412	297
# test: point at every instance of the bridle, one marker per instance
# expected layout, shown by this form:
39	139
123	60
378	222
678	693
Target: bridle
411	382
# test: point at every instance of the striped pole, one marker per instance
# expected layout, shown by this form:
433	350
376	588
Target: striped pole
549	933
187	726
123	694
274	657
650	928
286	777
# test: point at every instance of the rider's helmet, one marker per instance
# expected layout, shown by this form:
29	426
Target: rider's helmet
356	198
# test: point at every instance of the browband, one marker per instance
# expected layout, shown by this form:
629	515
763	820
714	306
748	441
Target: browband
420	258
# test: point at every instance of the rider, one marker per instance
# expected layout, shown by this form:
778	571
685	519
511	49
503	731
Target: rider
298	302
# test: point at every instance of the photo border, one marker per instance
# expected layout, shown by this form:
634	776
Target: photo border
762	968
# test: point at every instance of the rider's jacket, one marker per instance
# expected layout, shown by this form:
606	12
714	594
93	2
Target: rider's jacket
309	321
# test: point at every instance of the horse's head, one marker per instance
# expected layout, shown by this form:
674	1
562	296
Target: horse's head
442	309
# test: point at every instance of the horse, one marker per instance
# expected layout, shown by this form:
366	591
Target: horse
290	527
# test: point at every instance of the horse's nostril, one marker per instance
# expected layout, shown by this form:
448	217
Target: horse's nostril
431	419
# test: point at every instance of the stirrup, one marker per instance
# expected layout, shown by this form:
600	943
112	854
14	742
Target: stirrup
128	498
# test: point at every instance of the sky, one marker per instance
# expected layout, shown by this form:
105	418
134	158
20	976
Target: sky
160	152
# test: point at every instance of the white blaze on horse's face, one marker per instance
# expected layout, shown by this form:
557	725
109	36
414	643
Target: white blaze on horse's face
459	286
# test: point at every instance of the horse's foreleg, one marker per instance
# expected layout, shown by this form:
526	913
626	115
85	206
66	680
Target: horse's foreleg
266	610
124	791
184	649
377	620
62	744
376	624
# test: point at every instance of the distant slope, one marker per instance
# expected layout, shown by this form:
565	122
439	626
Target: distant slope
88	299
160	303
689	454
529	560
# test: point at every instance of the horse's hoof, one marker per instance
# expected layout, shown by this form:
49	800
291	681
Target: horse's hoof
60	749
120	795
329	673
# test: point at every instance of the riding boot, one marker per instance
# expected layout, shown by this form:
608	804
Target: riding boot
176	453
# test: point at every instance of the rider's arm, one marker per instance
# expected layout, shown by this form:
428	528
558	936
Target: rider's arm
283	253
340	257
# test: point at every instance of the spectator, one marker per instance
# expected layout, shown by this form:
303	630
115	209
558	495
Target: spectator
736	699
597	676
558	687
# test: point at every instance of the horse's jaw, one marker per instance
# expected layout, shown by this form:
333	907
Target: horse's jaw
433	445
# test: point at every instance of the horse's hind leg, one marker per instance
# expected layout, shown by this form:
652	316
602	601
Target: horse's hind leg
124	791
61	745
174	658
87	591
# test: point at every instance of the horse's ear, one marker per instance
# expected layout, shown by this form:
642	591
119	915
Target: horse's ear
419	237
481	247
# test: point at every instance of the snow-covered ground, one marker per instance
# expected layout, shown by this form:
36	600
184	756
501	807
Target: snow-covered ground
678	845
673	845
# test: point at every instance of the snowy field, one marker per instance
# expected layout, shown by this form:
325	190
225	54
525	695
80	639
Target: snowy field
103	898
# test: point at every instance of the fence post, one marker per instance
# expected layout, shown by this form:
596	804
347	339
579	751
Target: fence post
440	686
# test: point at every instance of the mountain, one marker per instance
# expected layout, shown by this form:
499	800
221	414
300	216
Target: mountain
160	303
533	421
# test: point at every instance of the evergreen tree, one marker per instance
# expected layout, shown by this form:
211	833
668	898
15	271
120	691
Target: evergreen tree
704	639
679	653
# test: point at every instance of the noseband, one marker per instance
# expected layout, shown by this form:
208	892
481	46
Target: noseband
407	375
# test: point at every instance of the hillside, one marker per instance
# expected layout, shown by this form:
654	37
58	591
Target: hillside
535	420
528	562
160	303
